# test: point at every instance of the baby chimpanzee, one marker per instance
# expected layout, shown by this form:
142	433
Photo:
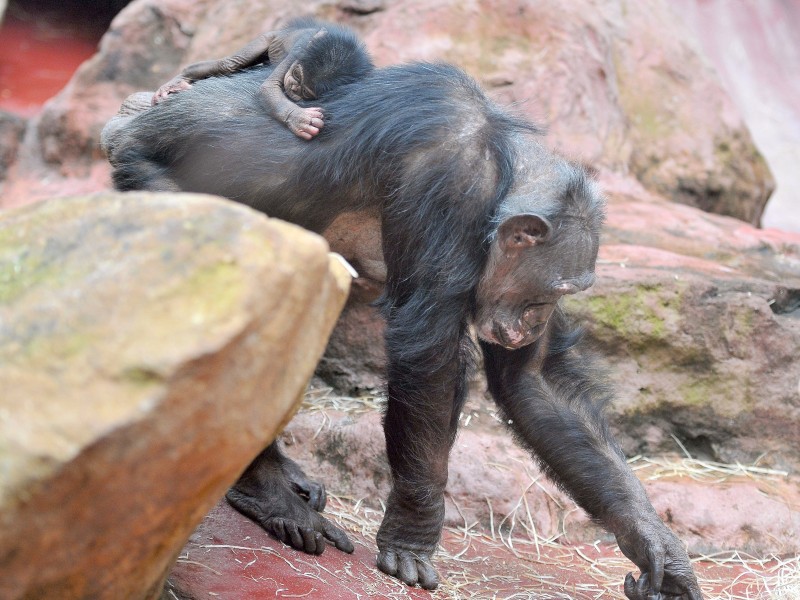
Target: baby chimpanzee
312	58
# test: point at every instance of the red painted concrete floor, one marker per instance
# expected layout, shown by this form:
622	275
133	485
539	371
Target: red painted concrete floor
232	558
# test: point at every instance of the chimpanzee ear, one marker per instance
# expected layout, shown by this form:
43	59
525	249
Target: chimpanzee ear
521	231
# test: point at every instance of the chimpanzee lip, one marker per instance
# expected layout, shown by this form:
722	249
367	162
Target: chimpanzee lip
533	334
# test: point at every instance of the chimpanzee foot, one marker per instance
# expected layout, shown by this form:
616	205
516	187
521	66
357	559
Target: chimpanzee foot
409	567
312	492
289	518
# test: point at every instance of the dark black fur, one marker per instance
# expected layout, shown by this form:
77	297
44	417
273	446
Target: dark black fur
439	161
333	60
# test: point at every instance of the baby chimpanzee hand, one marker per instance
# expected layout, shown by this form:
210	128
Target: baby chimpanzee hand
305	122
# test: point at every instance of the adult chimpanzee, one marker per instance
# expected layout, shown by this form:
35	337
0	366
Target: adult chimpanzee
480	226
310	59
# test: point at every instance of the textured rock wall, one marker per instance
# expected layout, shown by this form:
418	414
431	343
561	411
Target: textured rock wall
150	347
698	320
682	307
755	48
620	84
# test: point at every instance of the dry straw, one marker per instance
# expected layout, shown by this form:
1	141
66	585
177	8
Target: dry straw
539	567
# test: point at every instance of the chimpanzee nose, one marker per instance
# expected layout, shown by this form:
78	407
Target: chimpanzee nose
566	288
574	285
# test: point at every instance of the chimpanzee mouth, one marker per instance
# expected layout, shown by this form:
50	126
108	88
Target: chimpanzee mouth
514	340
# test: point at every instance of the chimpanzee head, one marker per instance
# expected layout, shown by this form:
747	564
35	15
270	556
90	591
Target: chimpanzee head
544	247
334	57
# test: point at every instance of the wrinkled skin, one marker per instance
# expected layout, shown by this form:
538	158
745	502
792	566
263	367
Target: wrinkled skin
528	271
294	84
276	494
666	572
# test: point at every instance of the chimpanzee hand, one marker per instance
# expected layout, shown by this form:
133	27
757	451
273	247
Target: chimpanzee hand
667	573
305	122
267	493
173	86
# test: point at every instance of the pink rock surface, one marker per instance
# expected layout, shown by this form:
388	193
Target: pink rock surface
230	557
495	485
755	49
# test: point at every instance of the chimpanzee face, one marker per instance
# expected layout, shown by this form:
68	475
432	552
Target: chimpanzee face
294	84
532	263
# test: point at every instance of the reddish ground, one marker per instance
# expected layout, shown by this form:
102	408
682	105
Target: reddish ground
41	45
231	557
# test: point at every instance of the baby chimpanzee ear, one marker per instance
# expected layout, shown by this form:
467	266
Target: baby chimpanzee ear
522	231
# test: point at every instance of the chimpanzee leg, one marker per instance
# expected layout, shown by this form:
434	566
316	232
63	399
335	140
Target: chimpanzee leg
554	401
267	492
420	426
133	169
136	172
131	106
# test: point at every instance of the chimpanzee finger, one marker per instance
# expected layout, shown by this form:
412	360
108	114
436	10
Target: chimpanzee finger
630	588
317	498
321	544
428	577
655	557
337	536
686	589
312	541
695	593
407	569
295	537
317	122
278	530
387	562
643	587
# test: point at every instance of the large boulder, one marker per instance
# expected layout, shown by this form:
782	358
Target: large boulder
622	85
698	318
150	347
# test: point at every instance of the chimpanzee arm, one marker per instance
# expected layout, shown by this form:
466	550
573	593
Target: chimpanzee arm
554	401
268	46
303	122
